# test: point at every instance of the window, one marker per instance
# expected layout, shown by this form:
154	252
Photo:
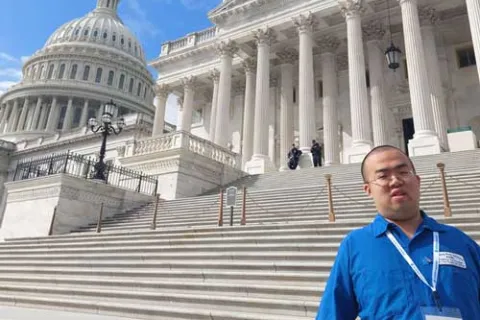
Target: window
130	87
121	82
95	33
50	71
114	37
139	89
105	35
73	72
85	33
466	57
98	76
136	51
61	73
77	32
145	93
111	74
122	41
367	78
40	73
129	44
86	73
294	95
320	89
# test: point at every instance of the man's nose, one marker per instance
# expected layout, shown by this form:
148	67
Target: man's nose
395	181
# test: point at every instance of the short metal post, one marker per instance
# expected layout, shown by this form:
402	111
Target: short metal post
243	221
50	231
331	212
154	220
446	203
99	223
220	210
231	216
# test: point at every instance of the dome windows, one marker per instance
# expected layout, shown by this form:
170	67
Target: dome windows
95	33
121	82
50	71
40	73
61	73
114	37
139	89
122	40
85	33
98	76
130	86
77	32
86	73
105	35
111	74
73	72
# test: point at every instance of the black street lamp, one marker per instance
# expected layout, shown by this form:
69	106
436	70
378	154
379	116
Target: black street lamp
106	129
392	53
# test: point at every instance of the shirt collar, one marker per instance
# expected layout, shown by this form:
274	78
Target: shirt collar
380	225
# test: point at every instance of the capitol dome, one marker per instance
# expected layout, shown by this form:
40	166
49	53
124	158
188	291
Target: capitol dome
83	64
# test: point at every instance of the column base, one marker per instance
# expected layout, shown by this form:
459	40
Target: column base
356	154
424	145
259	164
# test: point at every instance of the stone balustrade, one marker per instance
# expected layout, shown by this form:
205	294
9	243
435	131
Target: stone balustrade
187	141
189	40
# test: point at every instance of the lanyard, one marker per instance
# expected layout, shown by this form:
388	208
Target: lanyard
436	261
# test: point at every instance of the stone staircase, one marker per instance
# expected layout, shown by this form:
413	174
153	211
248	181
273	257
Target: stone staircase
275	267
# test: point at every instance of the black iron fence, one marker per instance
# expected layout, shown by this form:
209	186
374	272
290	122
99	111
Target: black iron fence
83	167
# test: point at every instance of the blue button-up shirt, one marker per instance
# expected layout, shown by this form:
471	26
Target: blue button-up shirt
371	279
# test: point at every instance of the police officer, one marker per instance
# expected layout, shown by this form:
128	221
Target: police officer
316	151
404	265
294	157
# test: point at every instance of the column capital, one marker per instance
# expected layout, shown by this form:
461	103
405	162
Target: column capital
227	48
351	8
189	82
288	56
214	75
328	44
373	30
249	65
161	90
305	23
264	36
428	16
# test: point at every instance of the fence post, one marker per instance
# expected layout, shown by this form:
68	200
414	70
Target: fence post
139	183
446	203
156	186
99	223
50	231
66	163
154	220
243	221
220	211
331	212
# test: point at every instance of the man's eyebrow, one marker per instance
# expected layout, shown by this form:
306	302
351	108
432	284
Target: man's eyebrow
398	166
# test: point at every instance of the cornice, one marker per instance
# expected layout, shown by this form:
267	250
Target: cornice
210	46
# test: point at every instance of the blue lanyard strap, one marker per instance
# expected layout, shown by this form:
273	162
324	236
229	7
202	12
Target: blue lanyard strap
436	258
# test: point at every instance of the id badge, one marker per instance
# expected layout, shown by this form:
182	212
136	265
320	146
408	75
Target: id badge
433	313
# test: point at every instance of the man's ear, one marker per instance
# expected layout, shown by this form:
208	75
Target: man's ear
366	188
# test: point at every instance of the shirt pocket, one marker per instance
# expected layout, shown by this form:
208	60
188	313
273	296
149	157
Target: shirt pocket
382	294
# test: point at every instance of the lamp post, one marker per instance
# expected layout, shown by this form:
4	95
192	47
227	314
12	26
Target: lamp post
392	53
106	128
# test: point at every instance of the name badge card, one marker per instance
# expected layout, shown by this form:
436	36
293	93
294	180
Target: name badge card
433	313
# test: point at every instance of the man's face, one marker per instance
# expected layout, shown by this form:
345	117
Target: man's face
392	184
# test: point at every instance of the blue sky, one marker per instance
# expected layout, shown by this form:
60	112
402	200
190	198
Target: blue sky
27	24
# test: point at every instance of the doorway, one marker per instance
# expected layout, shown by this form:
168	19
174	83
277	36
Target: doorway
408	131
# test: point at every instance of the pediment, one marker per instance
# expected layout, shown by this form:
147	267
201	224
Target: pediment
232	7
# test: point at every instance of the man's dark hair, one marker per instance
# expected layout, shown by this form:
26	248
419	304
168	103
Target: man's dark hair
379	149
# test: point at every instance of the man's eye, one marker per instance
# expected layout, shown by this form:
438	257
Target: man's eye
383	177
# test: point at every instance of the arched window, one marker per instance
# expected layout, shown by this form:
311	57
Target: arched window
111	74
77	32
129	44
85	33
105	35
73	72
50	71
40	73
98	76
145	93
86	73
95	33
130	86
121	82
114	37
139	89
122	40
61	73
136	51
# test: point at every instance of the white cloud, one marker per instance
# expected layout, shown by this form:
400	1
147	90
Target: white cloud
7	57
136	19
24	58
11	73
4	85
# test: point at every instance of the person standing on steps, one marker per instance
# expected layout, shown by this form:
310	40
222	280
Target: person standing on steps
316	151
294	157
404	265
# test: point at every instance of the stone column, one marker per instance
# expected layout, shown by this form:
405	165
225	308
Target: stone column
161	95
67	120
287	58
359	108
189	94
84	116
428	18
52	121
331	144
180	113
260	163
226	50
425	140
473	10
23	115
4	123
249	110
43	117
215	77
306	87
13	119
374	33
36	114
272	112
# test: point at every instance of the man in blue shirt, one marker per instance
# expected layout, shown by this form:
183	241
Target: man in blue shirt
404	265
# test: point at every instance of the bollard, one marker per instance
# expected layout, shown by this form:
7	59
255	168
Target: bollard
99	223
220	211
243	221
446	203
154	220
50	231
331	212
